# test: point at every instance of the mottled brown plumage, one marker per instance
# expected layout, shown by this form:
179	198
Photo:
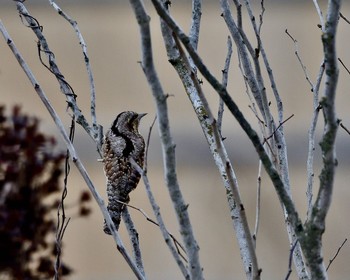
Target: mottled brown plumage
122	142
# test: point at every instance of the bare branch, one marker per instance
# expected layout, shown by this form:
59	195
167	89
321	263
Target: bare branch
62	224
291	251
299	59
331	121
195	22
147	144
343	127
342	63
65	87
282	123
311	148
177	244
336	254
232	106
258	205
224	82
281	189
195	269
97	128
320	15
315	227
61	229
178	59
76	160
261	16
166	235
344	18
268	116
134	239
244	48
305	239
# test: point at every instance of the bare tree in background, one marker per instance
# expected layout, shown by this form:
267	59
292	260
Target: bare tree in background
266	135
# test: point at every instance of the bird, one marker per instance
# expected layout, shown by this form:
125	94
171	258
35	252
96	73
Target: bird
122	142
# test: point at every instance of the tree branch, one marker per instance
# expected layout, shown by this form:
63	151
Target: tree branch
53	67
96	127
336	254
232	106
76	160
315	227
195	269
156	210
134	239
200	105
224	82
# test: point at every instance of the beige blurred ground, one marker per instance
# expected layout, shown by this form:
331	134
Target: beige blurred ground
113	45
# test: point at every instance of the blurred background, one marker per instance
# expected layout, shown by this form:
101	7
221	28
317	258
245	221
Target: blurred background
111	33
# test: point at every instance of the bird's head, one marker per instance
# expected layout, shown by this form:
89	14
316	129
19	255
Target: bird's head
126	121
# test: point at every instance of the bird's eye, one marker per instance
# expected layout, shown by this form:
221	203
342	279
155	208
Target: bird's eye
133	118
133	121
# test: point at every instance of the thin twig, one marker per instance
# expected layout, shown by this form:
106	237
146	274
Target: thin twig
176	242
224	82
291	251
261	16
320	15
147	144
260	121
58	75
336	254
312	129
262	126
61	226
343	127
342	63
311	146
344	18
282	123
61	229
258	203
299	59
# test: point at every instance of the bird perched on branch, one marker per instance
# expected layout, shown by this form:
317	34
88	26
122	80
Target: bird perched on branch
121	143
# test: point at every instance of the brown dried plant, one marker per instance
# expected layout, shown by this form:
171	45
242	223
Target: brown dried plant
30	184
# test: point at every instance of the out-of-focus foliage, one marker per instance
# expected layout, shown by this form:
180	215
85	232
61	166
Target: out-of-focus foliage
30	181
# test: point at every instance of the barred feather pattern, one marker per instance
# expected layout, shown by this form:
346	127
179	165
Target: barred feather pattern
122	142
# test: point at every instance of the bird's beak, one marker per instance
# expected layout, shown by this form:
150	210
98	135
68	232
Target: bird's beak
140	116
